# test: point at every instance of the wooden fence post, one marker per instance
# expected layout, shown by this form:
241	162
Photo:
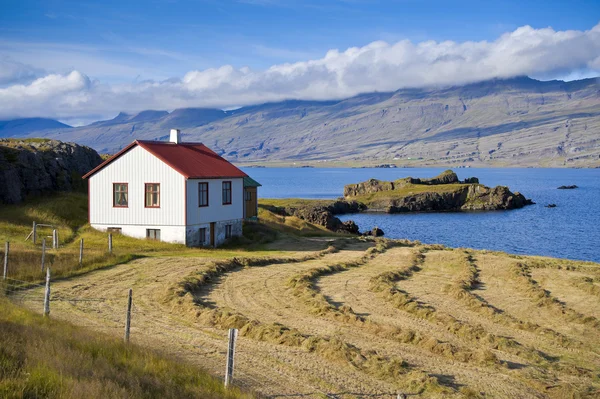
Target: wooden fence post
128	315
43	254
54	239
110	243
34	232
81	252
47	294
6	249
233	332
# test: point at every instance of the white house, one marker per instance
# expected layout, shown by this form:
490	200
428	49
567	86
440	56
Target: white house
170	191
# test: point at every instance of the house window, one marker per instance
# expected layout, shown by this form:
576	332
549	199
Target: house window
120	195
227	231
152	195
226	193
202	194
153	234
248	196
202	235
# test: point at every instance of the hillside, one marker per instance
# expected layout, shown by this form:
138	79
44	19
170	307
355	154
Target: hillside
513	122
34	167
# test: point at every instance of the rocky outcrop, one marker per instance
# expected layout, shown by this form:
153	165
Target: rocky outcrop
37	166
441	193
324	215
374	185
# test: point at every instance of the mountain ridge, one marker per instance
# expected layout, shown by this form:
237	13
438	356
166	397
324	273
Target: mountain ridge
499	122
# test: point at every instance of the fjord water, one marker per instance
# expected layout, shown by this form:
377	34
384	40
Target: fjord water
571	230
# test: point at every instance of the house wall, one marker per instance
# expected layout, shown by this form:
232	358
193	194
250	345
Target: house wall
137	167
173	234
215	209
201	217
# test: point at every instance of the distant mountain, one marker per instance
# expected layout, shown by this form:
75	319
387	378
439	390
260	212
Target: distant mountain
20	127
499	122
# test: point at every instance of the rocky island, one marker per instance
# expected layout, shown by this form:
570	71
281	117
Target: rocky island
441	193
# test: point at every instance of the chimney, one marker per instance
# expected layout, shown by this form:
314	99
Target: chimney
175	136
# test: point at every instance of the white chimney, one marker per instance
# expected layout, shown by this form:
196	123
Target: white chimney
175	136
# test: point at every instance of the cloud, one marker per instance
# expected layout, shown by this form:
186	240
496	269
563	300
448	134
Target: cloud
14	72
378	66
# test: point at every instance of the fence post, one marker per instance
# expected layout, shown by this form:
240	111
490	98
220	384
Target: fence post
43	254
47	294
230	356
54	239
34	231
110	243
6	249
128	315
81	252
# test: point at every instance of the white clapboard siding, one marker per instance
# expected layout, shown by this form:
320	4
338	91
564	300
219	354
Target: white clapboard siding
215	211
136	168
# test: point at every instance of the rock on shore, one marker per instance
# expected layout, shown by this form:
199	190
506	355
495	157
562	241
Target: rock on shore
324	215
37	166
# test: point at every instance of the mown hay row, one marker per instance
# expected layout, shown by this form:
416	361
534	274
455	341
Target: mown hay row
587	284
520	273
385	285
468	279
303	287
392	369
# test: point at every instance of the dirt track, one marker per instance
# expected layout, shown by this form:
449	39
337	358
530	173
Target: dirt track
262	294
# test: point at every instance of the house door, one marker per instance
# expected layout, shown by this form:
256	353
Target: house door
212	234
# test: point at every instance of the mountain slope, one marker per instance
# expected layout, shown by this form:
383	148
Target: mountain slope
511	122
19	127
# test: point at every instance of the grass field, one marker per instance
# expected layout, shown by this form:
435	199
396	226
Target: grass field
323	315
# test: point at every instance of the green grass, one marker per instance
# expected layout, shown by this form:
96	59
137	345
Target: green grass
44	358
292	202
68	213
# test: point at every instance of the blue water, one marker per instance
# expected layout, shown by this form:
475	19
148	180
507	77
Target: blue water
571	230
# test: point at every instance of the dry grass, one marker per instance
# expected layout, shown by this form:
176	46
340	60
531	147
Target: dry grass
303	286
43	358
385	367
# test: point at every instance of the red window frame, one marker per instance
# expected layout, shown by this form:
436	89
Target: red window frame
201	184
113	195
225	191
146	192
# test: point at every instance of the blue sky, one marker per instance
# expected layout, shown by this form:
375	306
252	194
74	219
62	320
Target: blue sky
115	43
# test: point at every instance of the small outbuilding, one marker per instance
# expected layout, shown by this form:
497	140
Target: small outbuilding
179	192
251	198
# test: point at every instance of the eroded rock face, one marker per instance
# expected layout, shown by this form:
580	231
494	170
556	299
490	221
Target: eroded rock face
35	167
482	198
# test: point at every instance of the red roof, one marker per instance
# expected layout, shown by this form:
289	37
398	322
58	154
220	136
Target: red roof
192	160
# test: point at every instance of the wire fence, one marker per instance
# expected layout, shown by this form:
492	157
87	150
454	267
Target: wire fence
110	314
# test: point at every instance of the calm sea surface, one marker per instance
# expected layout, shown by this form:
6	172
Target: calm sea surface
571	230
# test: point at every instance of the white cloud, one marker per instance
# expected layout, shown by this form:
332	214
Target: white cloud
378	66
